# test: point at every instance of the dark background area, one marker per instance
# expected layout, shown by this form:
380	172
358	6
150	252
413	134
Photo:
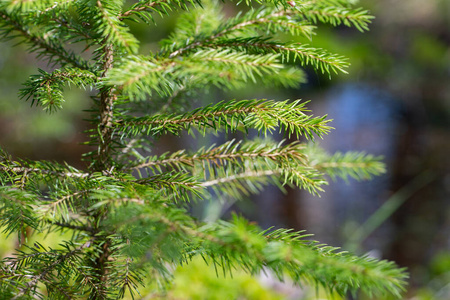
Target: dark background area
394	102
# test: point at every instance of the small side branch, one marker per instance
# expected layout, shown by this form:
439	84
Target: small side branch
73	227
39	43
26	171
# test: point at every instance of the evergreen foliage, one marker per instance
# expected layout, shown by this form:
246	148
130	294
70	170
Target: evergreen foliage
127	211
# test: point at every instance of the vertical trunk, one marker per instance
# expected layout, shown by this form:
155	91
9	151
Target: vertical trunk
103	163
107	98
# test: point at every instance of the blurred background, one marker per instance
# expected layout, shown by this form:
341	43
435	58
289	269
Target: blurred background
394	102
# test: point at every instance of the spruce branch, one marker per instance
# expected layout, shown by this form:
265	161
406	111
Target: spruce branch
320	59
229	152
55	172
267	19
144	9
234	169
245	245
140	76
276	3
62	204
176	186
239	183
263	115
62	225
240	243
62	21
145	5
236	177
45	261
128	280
271	21
356	165
47	89
103	16
112	29
359	18
237	170
13	26
27	5
16	211
11	169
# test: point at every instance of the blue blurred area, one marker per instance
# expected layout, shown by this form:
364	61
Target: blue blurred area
365	119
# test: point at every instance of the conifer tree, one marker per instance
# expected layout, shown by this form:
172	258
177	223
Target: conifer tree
124	219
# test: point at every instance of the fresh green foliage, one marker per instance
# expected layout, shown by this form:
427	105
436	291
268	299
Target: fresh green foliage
265	116
124	219
47	89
